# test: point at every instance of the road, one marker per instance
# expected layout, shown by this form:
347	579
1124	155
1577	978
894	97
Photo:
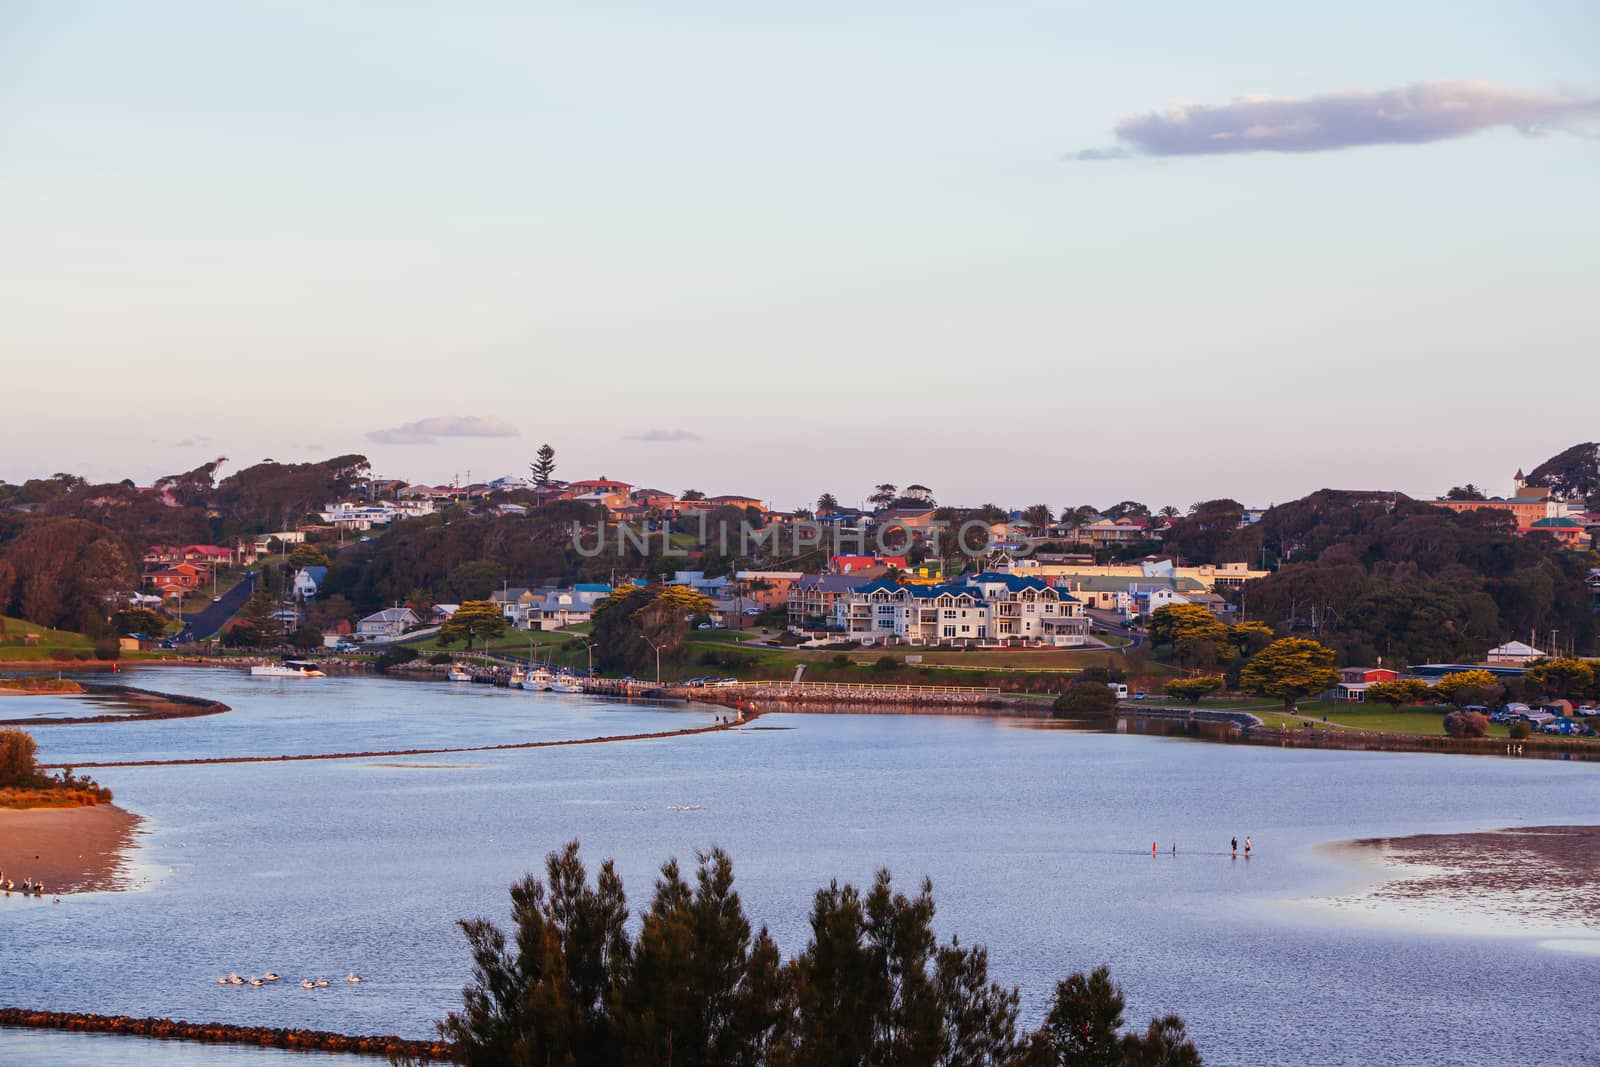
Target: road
208	622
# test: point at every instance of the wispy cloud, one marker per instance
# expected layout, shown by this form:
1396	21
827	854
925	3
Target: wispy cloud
427	431
1418	113
662	435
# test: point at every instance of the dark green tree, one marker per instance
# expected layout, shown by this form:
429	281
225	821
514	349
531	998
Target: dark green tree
543	467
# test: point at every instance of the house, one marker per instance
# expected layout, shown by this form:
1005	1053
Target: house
388	624
442	612
550	607
812	599
1566	531
177	580
865	566
1355	681
697	580
1527	506
765	590
1513	653
307	580
589	488
733	500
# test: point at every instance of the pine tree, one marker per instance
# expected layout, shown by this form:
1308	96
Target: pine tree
543	466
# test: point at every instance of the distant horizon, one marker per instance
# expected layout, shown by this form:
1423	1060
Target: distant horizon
1490	489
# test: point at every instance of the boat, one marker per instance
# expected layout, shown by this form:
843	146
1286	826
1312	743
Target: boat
536	680
289	668
566	683
514	679
458	673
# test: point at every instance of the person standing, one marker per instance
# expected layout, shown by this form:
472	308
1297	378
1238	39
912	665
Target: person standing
1152	850
1246	846
1235	845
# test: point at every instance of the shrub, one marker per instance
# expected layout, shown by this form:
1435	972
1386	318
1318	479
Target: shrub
395	655
107	648
1520	730
1086	698
1466	724
17	751
841	661
885	663
439	659
1193	690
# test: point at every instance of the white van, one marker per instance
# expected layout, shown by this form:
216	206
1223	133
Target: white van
1120	690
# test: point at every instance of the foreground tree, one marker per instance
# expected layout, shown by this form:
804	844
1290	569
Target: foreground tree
1574	679
570	985
634	621
827	504
1289	669
472	620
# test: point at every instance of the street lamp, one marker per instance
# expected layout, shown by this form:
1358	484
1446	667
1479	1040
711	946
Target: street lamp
657	649
588	647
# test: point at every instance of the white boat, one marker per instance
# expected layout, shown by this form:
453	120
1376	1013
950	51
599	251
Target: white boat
566	683
458	673
536	680
289	668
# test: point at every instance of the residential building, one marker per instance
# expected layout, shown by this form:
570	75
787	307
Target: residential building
388	623
178	580
989	609
766	590
812	599
542	608
307	580
1355	681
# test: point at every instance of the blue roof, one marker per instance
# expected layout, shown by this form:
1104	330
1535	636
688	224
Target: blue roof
592	587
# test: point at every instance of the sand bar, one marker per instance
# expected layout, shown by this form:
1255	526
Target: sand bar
72	850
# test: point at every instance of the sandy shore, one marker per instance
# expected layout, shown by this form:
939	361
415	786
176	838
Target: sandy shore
1533	881
72	850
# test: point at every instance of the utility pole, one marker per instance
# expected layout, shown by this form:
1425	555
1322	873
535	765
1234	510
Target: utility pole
657	649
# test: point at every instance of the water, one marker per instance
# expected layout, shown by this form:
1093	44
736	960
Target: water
1037	842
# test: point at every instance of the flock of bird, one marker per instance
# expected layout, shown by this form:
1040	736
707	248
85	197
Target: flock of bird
30	888
233	978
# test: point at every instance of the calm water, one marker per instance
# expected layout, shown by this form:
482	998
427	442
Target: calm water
1037	842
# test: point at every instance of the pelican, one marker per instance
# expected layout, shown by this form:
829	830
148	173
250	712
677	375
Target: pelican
222	981
256	981
271	976
306	983
323	983
353	978
234	979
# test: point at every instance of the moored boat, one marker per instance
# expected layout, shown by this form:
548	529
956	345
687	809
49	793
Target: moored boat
289	668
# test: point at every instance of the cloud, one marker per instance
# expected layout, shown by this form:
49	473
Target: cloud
662	435
427	431
1411	114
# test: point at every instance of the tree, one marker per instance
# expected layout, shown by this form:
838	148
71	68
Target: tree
1127	509
256	626
882	496
1194	690
1573	679
689	496
139	621
570	984
1248	638
473	619
633	621
1193	633
1572	473
1460	723
306	556
1464	687
1084	697
306	639
1169	512
827	504
17	752
543	467
1290	668
1038	517
1400	692
1464	492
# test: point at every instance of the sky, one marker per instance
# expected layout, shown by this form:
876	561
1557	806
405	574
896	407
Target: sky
1017	252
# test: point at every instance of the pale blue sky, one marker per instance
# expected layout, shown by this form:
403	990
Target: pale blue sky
841	243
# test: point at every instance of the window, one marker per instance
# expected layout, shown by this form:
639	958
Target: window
949	614
965	628
949	631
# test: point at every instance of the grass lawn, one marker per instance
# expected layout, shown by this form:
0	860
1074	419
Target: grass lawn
1422	719
15	628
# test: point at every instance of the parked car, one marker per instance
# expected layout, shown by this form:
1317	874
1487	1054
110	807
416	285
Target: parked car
1586	709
